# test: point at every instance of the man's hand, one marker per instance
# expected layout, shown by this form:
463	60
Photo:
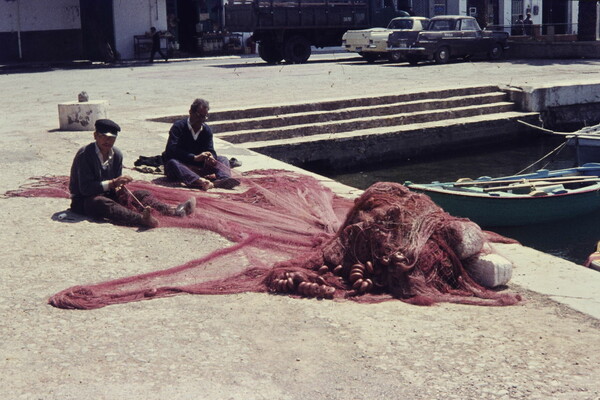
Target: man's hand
207	158
120	181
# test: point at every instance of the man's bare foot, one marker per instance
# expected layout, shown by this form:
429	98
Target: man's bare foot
203	184
186	208
148	220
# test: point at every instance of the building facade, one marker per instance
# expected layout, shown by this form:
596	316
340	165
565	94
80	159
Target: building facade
42	30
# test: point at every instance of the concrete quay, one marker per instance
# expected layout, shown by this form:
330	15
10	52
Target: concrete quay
259	346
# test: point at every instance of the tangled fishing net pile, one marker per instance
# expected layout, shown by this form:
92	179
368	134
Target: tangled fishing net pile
291	235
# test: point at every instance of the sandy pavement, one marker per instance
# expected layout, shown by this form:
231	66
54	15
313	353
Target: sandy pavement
248	346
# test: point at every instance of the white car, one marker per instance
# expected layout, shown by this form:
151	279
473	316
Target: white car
372	43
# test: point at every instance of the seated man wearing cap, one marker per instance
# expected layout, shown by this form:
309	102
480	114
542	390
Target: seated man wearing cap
97	184
190	156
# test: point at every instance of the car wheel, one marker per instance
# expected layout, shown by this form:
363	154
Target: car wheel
270	52
496	52
370	58
395	56
442	55
297	50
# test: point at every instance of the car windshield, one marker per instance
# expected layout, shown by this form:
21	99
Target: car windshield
441	25
401	24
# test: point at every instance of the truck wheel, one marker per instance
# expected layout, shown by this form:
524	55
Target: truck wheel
395	56
496	52
270	52
297	50
442	55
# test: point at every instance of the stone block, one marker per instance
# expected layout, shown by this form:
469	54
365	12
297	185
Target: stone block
76	116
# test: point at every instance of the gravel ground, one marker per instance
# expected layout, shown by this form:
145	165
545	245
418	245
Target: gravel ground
247	346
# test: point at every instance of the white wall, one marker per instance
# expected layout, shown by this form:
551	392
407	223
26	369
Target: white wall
135	17
35	15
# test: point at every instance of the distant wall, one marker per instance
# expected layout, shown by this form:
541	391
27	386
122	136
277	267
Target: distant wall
558	46
39	30
39	15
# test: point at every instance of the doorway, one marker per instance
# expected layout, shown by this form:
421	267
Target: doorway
97	30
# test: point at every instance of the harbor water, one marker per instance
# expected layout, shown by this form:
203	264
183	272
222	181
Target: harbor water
572	239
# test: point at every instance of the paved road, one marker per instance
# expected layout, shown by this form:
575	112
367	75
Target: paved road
255	346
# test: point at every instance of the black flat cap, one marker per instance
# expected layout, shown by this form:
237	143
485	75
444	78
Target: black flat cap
107	127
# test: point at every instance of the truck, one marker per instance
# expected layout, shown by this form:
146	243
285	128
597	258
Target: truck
286	29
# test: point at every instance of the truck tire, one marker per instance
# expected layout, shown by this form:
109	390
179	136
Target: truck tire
442	55
270	52
296	50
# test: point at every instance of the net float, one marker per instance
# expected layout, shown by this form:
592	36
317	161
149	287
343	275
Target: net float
398	257
338	270
357	284
364	286
358	266
355	276
314	289
324	269
369	267
302	287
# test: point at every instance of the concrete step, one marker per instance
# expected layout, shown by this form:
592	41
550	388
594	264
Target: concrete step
341	127
257	112
356	112
392	143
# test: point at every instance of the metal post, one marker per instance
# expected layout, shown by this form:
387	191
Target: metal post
19	29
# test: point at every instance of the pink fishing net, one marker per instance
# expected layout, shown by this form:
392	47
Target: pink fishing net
291	235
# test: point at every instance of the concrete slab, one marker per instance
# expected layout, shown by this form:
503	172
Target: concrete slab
256	346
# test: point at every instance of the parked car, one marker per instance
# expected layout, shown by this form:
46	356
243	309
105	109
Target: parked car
372	43
449	37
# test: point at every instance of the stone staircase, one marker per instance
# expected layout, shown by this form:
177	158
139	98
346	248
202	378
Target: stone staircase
376	129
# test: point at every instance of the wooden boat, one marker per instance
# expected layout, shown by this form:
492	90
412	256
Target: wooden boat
541	196
585	141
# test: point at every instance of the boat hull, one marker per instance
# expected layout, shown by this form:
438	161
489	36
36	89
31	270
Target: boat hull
498	211
497	206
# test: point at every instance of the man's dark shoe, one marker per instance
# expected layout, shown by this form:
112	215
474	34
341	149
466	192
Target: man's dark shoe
226	183
186	208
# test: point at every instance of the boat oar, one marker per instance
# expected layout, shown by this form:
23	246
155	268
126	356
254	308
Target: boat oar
537	184
557	179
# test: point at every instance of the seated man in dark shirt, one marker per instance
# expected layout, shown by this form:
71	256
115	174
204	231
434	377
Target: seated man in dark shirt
190	155
98	189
